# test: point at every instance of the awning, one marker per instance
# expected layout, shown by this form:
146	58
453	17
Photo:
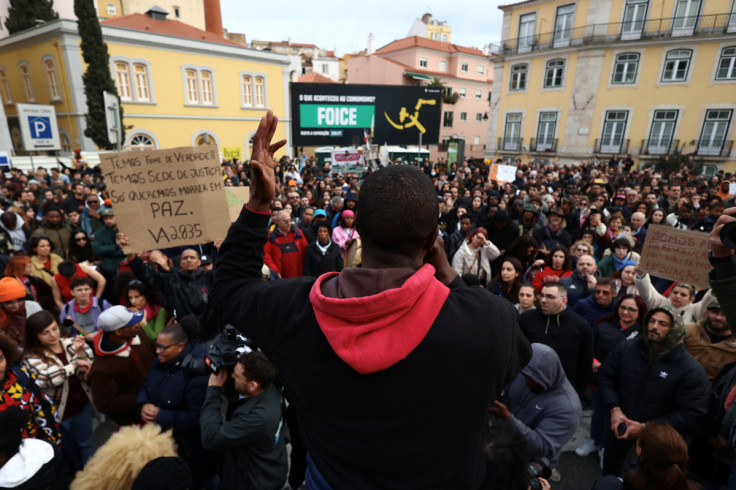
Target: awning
417	76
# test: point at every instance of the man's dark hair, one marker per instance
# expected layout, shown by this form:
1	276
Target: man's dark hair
607	281
378	221
9	219
12	422
507	457
9	349
561	289
258	368
81	281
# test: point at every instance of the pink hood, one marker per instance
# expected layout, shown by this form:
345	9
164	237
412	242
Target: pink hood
375	331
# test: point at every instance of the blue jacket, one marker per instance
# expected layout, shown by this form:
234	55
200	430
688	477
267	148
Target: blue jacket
590	310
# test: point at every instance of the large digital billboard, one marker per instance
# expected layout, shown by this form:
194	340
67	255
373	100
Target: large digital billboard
338	115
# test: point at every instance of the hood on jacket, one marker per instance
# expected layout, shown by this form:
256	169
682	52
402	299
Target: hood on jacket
674	337
377	327
31	456
545	367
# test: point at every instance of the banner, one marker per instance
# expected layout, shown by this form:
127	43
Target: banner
343	115
232	152
678	255
502	173
167	198
347	160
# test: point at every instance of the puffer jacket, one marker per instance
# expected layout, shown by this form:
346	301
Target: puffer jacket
667	385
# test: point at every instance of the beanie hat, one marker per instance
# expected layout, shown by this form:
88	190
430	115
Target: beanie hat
10	289
347	213
626	263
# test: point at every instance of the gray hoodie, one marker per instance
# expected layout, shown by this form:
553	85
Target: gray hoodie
547	419
17	236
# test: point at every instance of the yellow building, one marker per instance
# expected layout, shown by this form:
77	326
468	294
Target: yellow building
431	28
179	85
604	77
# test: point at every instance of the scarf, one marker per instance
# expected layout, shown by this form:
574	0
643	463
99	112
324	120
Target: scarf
325	248
79	309
619	263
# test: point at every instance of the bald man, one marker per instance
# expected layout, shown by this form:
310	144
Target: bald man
637	230
284	250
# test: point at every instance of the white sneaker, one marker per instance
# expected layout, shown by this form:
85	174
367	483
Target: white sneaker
585	448
555	476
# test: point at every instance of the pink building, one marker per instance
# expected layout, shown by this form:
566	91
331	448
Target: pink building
465	73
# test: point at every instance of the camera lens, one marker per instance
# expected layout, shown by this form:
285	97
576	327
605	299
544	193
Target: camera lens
728	235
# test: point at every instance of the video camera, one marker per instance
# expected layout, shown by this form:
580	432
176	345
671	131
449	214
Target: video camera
538	468
223	353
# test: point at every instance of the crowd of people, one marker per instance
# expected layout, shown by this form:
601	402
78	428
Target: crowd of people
546	266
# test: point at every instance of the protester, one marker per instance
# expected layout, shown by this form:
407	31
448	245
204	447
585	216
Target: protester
148	300
322	255
475	256
45	262
14	308
557	265
508	282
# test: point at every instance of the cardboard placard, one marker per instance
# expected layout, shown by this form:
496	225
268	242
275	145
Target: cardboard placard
732	188
679	255
236	198
167	198
502	173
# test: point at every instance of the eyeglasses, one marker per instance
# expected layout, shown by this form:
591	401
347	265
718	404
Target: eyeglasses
583	249
600	291
164	348
628	308
93	202
81	239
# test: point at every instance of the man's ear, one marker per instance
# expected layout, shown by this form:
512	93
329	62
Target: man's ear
429	244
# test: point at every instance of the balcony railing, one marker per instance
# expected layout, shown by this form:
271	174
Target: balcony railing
658	147
704	25
543	145
713	149
607	147
511	145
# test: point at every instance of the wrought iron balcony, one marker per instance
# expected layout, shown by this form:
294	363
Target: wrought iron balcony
608	147
658	147
510	145
543	145
714	148
704	25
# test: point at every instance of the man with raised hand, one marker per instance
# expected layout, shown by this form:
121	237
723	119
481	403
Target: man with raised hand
393	365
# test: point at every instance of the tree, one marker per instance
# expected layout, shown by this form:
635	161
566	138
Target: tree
23	14
97	78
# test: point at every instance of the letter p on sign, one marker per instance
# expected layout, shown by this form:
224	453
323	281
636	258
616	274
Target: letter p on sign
40	127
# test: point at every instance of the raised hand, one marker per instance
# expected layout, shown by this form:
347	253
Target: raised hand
262	178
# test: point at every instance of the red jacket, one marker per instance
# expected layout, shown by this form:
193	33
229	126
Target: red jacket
285	253
538	280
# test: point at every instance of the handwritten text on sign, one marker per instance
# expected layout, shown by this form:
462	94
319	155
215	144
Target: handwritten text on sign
678	255
167	198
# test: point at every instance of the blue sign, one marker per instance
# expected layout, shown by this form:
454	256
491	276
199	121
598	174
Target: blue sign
40	127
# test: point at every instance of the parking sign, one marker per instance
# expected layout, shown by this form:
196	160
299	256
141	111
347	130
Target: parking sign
38	127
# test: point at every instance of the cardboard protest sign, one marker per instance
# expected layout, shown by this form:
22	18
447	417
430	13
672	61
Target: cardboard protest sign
679	255
502	173
236	197
167	198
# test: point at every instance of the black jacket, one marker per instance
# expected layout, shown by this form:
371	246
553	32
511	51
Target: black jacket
569	335
316	264
674	390
392	427
608	334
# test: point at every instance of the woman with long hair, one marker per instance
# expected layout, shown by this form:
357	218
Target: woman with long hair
49	297
345	233
60	364
80	247
45	262
625	322
557	265
475	256
526	250
625	278
146	299
658	217
508	281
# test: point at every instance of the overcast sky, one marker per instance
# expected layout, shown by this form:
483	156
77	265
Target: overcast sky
345	25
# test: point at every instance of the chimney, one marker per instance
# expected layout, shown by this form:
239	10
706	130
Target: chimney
371	44
213	17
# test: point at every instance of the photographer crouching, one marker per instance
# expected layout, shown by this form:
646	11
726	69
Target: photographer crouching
251	429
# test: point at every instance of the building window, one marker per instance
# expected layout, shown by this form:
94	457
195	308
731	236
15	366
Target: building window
205	139
142	87
464	67
564	25
65	142
464	117
715	129
478	117
52	79
447	120
527	26
481	69
663	129
727	64
25	80
442	66
518	77
479	94
635	14
676	65
732	19
192	86
423	62
111	10
177	11
554	73
614	128
546	131
686	16
140	141
476	139
624	71
512	132
463	92
260	92
325	68
122	80
5	87
246	84
208	96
